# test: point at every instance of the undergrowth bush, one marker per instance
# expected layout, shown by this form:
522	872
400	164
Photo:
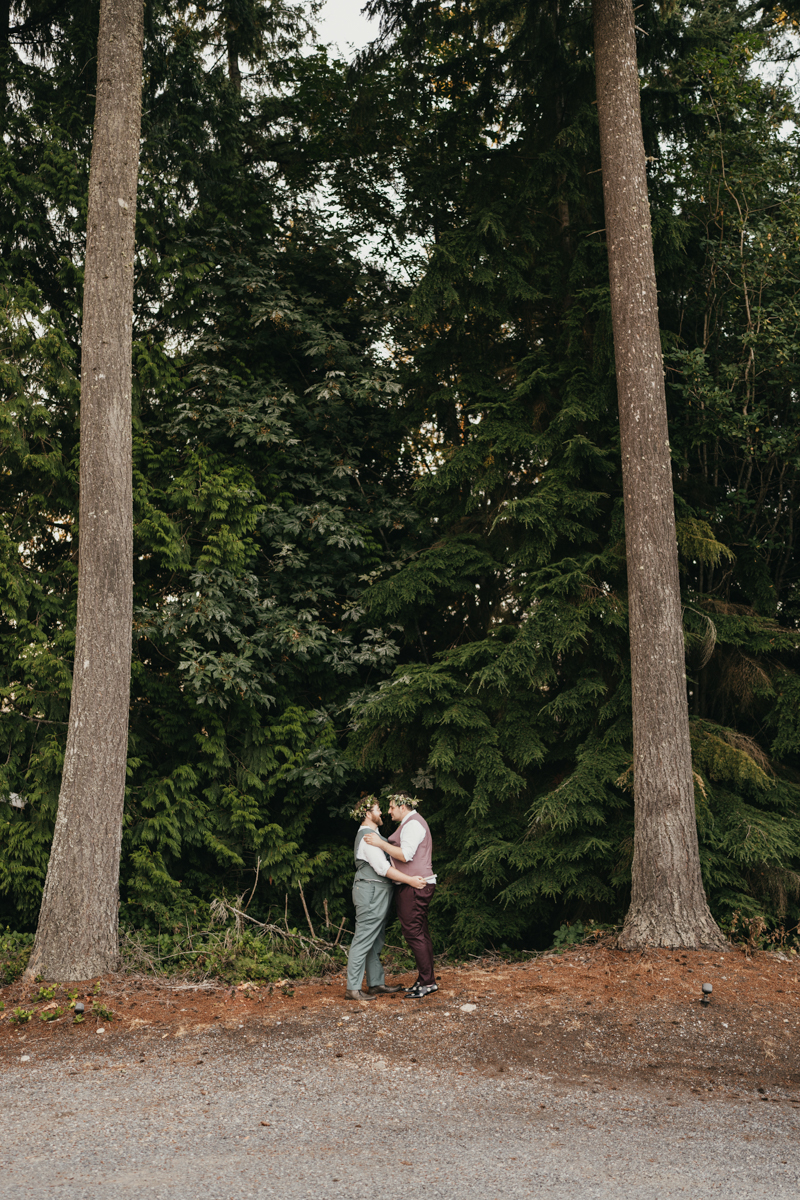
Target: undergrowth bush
15	949
755	934
223	955
232	946
575	933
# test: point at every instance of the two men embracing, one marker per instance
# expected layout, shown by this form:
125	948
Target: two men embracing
402	865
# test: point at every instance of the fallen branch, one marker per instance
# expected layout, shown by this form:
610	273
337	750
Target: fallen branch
305	910
219	909
319	944
121	982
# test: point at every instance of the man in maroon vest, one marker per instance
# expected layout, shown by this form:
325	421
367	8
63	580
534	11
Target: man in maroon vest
411	848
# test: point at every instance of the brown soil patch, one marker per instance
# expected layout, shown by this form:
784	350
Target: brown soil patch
591	1013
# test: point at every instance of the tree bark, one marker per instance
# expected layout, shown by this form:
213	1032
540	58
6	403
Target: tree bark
77	934
5	61
668	903
234	70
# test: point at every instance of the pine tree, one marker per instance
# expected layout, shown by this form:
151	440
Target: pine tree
450	504
514	699
265	485
76	935
668	904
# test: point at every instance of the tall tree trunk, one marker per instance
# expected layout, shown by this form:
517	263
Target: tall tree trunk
668	903
5	60
77	935
234	70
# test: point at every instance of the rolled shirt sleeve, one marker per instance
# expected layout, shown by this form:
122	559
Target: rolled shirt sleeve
374	856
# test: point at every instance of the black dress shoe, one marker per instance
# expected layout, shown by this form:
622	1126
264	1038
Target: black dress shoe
384	989
421	990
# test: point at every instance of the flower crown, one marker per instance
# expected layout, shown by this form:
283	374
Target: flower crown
403	798
360	810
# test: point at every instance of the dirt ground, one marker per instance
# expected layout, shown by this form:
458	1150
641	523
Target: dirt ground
589	1013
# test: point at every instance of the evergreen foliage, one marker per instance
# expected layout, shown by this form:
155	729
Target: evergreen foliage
378	528
265	486
520	714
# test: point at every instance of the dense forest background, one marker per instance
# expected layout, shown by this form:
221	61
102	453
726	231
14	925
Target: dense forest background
379	537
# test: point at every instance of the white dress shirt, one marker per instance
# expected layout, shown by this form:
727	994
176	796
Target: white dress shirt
376	858
411	837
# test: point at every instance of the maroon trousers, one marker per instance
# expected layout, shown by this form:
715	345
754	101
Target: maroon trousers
412	909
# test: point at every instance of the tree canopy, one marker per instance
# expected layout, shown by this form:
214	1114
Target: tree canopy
378	524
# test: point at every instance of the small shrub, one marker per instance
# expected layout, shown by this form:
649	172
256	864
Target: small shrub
231	955
21	1016
754	933
568	935
100	1010
578	934
51	1014
15	950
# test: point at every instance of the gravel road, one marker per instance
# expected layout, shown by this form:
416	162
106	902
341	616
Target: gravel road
228	1114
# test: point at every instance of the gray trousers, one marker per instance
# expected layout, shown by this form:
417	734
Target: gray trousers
372	901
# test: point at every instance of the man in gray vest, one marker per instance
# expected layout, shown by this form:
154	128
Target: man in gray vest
372	896
411	843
